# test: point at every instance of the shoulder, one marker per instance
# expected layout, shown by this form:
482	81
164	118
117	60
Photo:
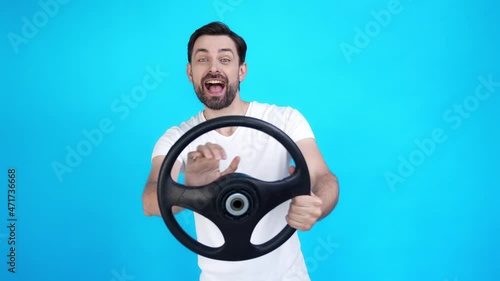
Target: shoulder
259	106
274	114
286	118
169	137
175	132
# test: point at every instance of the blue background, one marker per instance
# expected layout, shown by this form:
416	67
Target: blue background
436	218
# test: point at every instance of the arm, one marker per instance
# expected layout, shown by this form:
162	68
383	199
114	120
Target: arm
149	196
324	183
202	168
305	211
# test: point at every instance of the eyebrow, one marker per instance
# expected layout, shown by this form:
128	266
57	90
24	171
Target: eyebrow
225	50
220	50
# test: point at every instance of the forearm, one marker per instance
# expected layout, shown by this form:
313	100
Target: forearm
327	189
150	200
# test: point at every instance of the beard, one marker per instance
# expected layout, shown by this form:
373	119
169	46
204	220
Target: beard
217	102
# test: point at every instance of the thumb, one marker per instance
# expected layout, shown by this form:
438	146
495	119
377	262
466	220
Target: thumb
232	167
291	169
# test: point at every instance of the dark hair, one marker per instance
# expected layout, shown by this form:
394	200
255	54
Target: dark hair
218	28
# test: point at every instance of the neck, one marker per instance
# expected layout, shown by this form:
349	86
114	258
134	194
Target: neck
237	107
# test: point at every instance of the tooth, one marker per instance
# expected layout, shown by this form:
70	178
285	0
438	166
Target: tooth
214	82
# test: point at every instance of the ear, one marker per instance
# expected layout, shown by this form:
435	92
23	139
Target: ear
189	72
242	71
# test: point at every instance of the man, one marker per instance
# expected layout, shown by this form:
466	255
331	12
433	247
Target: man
216	67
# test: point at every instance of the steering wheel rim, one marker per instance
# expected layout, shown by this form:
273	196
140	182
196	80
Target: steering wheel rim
213	195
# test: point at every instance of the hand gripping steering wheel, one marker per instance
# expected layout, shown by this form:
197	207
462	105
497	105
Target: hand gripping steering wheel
235	202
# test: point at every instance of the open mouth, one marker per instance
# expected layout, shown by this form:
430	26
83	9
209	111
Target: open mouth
215	86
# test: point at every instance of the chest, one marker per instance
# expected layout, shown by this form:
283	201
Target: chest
261	155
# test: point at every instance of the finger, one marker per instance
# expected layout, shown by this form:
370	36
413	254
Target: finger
293	223
299	218
193	155
306	201
291	169
297	224
305	213
304	216
217	151
205	151
232	167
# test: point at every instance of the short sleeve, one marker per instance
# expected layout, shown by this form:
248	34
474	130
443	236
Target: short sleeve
296	125
166	141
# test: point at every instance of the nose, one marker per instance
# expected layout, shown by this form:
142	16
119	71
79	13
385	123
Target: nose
214	66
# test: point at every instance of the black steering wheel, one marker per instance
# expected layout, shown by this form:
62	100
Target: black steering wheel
235	202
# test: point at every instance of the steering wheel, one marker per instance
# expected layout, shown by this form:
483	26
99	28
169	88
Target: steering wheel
235	202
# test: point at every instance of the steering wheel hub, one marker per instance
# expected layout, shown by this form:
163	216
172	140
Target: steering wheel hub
237	204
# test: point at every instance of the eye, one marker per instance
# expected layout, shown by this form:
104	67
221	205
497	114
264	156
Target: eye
202	60
225	60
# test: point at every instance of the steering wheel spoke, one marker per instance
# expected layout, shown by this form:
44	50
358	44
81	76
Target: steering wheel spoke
272	194
200	199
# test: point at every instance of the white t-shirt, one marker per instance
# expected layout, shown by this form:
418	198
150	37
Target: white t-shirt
264	158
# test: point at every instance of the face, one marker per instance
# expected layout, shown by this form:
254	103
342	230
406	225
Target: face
215	71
